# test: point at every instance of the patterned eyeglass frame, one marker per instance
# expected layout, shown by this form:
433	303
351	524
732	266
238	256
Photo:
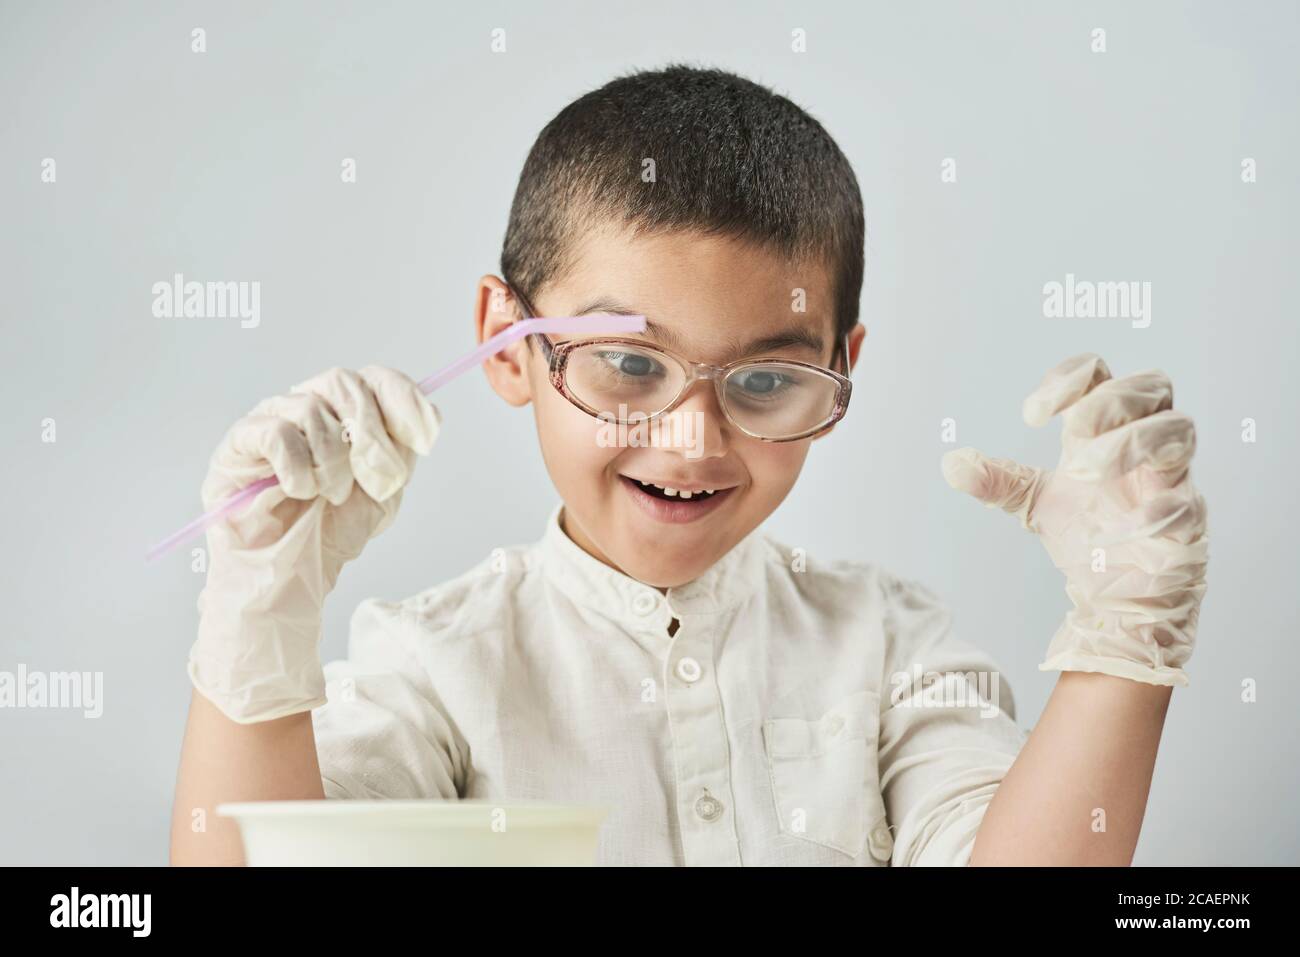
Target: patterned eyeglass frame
557	357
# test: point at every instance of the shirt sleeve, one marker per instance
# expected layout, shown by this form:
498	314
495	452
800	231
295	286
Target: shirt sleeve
948	733
383	731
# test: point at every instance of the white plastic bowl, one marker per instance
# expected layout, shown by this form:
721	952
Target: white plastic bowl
341	833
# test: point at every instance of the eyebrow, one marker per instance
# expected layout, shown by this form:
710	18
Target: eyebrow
793	337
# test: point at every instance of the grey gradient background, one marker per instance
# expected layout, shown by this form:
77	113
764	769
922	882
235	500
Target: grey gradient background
225	166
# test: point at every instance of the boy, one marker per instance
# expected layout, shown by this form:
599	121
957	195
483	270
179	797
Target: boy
654	651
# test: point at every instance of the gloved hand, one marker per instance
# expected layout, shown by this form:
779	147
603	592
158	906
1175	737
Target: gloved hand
1119	516
343	446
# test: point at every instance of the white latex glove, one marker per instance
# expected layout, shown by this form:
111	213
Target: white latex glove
343	445
1119	516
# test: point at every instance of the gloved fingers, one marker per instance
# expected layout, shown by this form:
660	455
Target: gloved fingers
226	474
324	434
1063	386
409	416
256	441
1000	483
1117	402
379	468
345	531
1164	442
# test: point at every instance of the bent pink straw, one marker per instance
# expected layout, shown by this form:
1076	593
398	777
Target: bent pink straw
511	334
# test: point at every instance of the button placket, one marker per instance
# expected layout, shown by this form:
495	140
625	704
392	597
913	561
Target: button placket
700	747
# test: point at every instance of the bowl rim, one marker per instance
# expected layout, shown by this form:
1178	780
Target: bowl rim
439	812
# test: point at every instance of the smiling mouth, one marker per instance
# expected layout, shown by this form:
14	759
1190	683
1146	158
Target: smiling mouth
663	503
667	492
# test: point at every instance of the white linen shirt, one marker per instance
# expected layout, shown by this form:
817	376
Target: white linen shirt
771	729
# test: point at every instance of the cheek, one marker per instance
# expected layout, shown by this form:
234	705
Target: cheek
774	466
569	439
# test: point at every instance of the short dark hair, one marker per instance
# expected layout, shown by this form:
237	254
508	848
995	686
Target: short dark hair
731	157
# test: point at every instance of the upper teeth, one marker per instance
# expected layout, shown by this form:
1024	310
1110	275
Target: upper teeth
674	493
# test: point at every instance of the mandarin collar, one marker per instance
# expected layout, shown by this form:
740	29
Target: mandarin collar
591	583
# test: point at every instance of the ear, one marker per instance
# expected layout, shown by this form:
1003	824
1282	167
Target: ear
856	335
495	308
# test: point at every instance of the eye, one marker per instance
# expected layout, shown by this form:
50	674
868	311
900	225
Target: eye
761	383
631	364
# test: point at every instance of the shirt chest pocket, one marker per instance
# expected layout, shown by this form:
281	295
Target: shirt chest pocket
825	777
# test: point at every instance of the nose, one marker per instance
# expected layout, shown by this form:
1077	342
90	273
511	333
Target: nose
698	426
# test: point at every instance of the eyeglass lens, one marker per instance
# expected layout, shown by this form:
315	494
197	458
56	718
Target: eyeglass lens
769	399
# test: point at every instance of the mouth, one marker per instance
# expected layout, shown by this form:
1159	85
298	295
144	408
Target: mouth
674	505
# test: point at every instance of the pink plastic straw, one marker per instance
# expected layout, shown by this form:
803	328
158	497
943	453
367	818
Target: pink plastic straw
525	327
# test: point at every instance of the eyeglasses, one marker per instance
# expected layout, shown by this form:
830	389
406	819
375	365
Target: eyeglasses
628	381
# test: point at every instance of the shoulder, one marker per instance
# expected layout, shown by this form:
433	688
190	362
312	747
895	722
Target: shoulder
480	599
848	582
904	613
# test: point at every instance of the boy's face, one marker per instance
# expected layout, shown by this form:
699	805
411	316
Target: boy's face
714	297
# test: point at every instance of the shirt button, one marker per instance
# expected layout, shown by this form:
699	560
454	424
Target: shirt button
880	842
708	808
689	670
644	603
833	724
